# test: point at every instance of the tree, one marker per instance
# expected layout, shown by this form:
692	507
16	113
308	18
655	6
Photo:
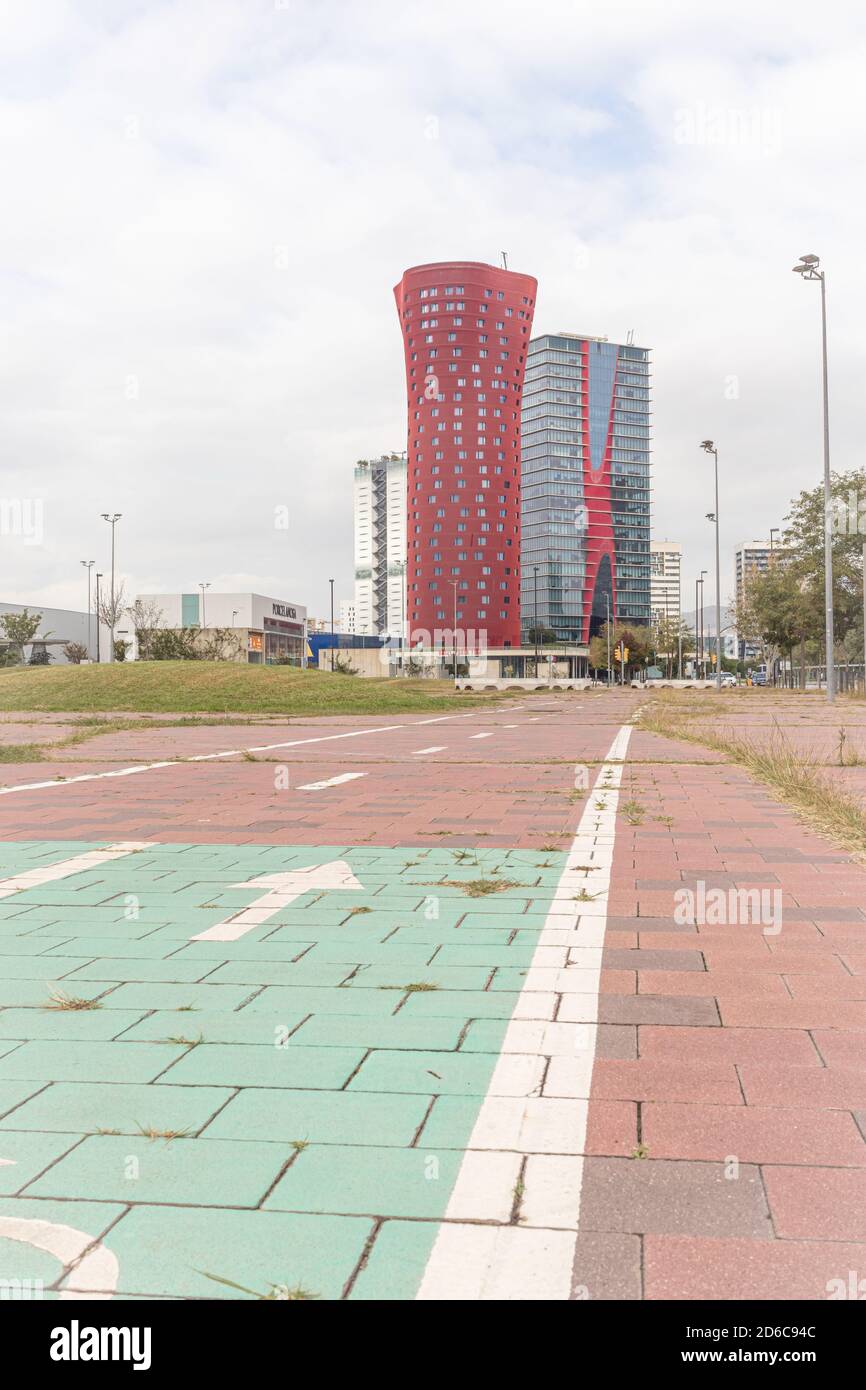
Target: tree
667	637
638	642
541	635
111	607
146	616
803	552
75	652
778	610
20	628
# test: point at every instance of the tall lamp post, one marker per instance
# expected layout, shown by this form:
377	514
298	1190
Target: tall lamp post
808	269
454	583
703	657
331	582
709	448
680	618
535	617
112	521
98	577
88	565
607	606
204	587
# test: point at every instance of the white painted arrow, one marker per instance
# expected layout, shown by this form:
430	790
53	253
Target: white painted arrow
282	889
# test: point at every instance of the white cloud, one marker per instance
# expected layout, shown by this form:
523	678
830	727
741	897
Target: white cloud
207	204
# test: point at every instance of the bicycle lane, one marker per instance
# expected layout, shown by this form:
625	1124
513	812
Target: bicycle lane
254	1109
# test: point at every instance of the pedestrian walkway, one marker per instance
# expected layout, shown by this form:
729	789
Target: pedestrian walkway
589	1028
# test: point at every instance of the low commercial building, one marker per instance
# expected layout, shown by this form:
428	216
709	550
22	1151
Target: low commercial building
59	626
265	630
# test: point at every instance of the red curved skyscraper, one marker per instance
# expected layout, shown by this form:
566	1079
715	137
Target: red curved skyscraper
466	329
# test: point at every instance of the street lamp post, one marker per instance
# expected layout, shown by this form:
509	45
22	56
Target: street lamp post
607	606
112	521
703	661
808	269
98	577
88	565
331	582
204	587
454	583
709	448
680	619
535	618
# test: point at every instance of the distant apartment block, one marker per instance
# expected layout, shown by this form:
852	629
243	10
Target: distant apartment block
665	582
751	558
380	546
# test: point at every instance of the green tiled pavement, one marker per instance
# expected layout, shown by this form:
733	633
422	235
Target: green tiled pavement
288	1109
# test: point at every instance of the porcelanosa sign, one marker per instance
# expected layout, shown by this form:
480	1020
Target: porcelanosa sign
283	610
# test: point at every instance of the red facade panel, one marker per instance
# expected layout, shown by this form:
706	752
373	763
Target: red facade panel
466	328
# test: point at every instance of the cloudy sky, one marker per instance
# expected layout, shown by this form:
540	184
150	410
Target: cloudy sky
206	204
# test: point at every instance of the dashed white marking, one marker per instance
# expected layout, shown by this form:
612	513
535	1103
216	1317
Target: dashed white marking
331	782
227	753
32	878
282	888
480	735
520	1115
435	748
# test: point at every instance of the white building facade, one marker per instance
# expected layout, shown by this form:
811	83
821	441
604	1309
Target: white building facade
665	582
59	626
268	630
380	546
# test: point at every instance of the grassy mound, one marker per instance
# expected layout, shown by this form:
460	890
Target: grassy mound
199	687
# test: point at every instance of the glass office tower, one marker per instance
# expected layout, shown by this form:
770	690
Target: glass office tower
585	486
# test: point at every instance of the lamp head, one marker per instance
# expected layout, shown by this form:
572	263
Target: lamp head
708	446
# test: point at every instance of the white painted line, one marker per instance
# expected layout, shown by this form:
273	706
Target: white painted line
282	888
331	782
32	878
473	1262
197	758
480	735
436	748
228	753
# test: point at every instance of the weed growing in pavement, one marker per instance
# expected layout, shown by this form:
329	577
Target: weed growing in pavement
151	1132
283	1293
584	897
797	779
480	887
420	987
641	1151
21	753
70	1002
633	811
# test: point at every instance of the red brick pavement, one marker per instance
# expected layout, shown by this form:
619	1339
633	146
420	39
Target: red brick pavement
725	1145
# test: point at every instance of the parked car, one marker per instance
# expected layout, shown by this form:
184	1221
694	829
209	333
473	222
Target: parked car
759	678
728	678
